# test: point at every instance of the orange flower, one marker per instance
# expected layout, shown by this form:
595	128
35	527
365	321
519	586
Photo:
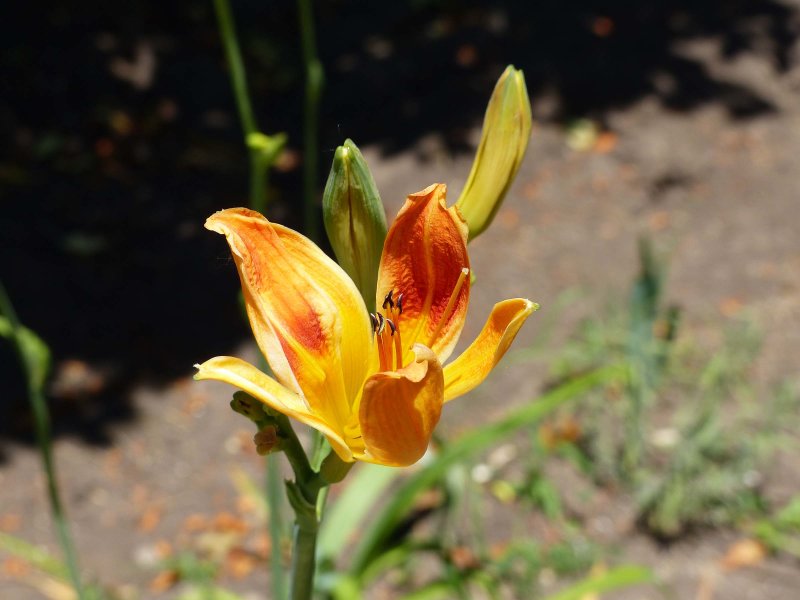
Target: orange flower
373	384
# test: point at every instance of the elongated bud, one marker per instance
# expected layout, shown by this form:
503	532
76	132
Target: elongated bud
504	139
354	219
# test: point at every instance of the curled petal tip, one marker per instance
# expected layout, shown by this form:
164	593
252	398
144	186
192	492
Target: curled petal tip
218	221
478	360
531	306
435	189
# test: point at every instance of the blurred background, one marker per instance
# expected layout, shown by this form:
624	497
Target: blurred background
655	219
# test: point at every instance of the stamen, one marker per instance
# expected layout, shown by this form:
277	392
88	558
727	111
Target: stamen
381	324
451	304
388	300
383	356
388	356
398	350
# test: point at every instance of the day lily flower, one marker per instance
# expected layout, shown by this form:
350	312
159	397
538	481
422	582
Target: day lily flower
373	384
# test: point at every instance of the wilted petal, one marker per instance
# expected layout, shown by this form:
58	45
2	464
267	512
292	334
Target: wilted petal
399	410
247	378
476	362
423	258
307	315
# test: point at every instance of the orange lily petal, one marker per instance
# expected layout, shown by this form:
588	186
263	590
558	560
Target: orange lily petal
246	377
477	361
307	315
423	257
399	410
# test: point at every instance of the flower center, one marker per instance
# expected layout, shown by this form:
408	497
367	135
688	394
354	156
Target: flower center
386	325
387	332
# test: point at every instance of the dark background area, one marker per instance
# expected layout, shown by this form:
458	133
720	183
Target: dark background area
119	136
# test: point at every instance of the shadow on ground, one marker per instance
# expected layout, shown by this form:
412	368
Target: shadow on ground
123	138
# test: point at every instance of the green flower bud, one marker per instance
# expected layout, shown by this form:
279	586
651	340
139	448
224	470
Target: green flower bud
354	219
504	139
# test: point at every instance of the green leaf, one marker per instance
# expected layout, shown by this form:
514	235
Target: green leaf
5	327
352	507
620	577
468	445
209	593
433	591
38	558
31	349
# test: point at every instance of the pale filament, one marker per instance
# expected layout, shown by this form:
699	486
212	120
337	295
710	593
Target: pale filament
451	304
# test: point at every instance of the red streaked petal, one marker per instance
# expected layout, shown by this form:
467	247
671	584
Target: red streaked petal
477	361
399	410
423	257
307	315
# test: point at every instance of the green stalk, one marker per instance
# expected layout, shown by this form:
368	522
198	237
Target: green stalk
304	558
275	501
41	417
233	54
306	496
303	495
314	80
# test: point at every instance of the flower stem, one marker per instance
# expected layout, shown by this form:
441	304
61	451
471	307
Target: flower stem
304	553
314	81
35	375
308	480
276	531
306	496
233	54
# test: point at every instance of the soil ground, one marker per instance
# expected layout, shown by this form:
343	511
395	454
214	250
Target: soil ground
720	192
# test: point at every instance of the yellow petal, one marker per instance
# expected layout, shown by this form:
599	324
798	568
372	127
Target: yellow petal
246	377
423	258
476	362
399	410
307	315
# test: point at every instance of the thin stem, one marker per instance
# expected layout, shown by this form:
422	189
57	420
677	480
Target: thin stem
41	418
314	81
308	480
303	496
307	496
275	501
303	559
233	54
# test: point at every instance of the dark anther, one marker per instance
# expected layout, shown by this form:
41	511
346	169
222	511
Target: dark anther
381	323
399	303
388	300
374	320
392	326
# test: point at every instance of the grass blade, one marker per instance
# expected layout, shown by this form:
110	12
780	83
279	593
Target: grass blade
363	490
34	355
472	443
620	577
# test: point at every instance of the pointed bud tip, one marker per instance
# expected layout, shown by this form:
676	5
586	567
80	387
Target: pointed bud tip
504	139
354	217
